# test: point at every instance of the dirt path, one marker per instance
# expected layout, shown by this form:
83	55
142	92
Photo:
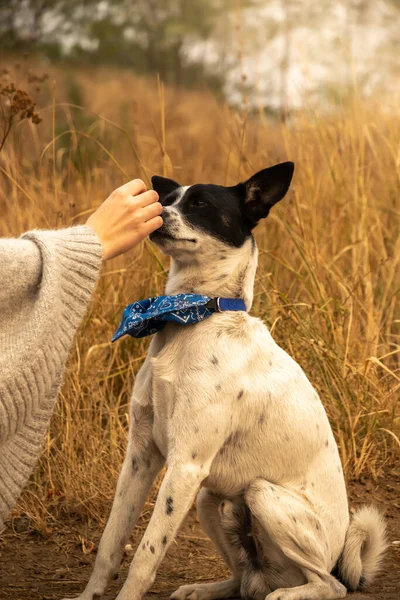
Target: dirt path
34	568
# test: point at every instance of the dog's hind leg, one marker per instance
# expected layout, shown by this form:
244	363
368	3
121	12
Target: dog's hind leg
299	534
209	508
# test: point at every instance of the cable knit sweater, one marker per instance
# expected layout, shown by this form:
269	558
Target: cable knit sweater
47	279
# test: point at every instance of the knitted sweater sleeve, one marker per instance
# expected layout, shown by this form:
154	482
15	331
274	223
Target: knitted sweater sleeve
47	279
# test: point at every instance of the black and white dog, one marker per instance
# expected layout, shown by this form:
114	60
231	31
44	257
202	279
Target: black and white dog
231	413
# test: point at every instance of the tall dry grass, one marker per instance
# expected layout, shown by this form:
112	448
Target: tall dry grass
328	279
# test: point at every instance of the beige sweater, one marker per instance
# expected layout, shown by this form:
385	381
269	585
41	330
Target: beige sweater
47	279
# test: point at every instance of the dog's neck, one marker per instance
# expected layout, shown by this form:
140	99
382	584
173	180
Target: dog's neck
220	272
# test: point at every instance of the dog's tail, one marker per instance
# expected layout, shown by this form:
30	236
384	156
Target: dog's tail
363	548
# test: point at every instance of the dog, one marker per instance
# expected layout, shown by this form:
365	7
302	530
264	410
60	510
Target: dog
233	415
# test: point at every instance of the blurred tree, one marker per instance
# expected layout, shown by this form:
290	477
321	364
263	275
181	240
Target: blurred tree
146	34
172	37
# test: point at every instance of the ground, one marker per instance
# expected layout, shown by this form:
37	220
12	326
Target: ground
38	568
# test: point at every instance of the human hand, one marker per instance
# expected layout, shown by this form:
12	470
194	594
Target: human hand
128	215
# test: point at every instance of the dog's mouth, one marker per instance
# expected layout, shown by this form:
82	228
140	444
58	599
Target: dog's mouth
160	234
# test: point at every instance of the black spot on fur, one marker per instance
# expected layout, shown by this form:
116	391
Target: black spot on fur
169	506
115	576
216	430
239	285
261	419
152	550
222	450
143	546
233	439
326	444
135	466
194	454
294	519
96	596
164	540
270	363
196	430
218	387
296	543
222	258
240	394
214	360
318	526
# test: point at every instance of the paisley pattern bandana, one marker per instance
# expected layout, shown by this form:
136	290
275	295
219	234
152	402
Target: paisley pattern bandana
146	317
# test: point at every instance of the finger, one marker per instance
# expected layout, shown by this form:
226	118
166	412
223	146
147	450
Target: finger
152	225
134	187
146	198
151	211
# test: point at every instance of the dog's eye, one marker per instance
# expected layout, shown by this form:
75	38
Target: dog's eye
198	202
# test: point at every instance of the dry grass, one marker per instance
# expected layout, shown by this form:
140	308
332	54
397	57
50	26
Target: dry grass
328	279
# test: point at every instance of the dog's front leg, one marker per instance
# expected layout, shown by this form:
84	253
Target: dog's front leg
142	463
175	497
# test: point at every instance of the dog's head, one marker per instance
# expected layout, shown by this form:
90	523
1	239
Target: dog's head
196	215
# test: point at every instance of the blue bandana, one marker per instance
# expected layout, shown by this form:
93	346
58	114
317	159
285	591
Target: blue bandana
146	317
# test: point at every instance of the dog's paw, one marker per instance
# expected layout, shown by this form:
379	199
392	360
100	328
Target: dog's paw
310	590
207	591
186	592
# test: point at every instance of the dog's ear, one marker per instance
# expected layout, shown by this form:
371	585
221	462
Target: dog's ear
163	186
263	190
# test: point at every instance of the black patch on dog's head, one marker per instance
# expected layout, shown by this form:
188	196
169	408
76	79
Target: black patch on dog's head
227	213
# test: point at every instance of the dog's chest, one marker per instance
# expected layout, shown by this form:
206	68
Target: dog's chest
183	371
164	376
